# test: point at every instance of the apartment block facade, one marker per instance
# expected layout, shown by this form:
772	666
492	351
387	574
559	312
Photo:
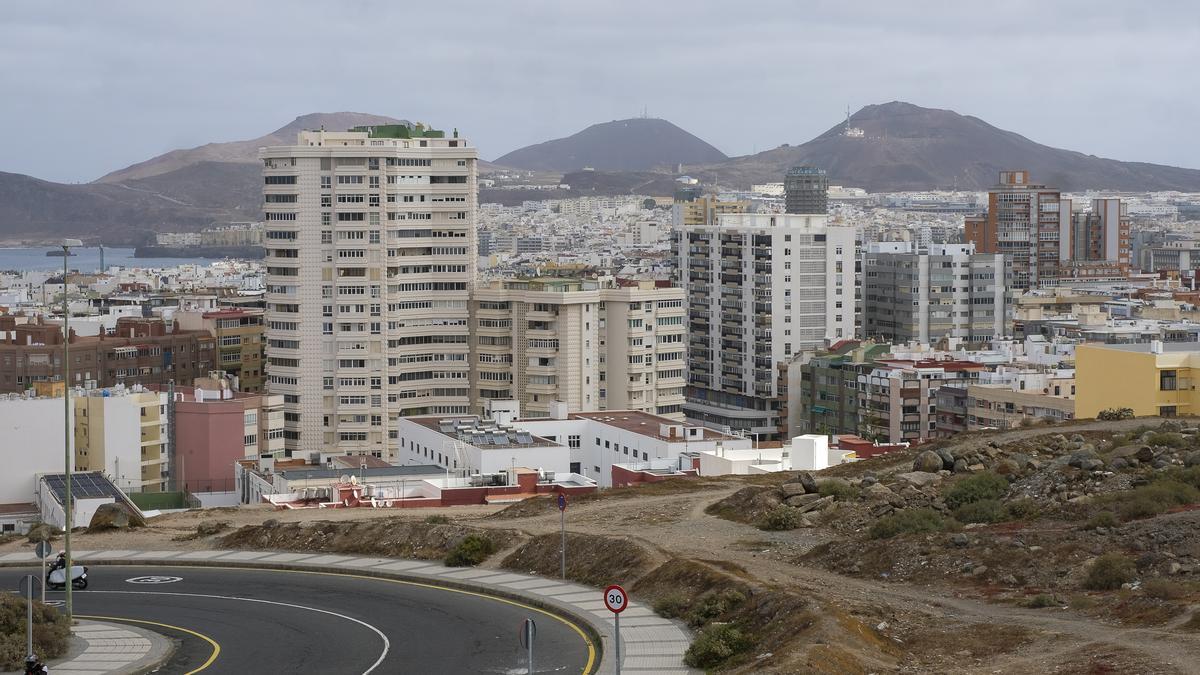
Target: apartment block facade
760	287
240	347
594	345
948	291
370	238
1035	226
123	434
141	351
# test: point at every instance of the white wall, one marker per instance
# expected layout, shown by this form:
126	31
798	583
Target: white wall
32	433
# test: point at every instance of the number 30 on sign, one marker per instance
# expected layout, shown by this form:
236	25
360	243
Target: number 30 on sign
615	599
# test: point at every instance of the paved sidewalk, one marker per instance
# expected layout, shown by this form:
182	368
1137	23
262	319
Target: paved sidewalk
650	644
112	649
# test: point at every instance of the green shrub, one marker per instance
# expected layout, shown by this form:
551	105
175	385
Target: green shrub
671	606
1103	519
1152	499
1168	439
908	521
840	491
1113	414
1109	571
1023	509
1164	589
1041	601
714	605
437	520
715	645
472	550
986	485
50	632
1189	476
781	518
983	511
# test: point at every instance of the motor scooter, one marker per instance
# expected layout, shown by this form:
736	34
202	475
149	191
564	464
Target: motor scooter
56	579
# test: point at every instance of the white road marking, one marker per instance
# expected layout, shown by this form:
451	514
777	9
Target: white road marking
154	579
387	645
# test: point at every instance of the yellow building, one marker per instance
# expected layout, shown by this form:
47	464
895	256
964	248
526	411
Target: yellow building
122	433
704	210
1152	378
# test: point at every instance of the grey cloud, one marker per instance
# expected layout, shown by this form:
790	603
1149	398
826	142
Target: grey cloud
90	87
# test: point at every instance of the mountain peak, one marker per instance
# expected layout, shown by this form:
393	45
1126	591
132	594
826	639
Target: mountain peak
903	146
634	144
244	151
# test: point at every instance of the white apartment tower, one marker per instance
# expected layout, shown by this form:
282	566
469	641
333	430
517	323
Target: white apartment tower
760	288
370	238
592	344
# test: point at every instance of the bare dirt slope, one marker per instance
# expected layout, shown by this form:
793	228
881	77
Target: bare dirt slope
832	598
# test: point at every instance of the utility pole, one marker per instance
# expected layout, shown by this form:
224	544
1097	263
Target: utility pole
68	460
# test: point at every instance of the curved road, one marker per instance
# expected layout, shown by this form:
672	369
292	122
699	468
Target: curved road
275	621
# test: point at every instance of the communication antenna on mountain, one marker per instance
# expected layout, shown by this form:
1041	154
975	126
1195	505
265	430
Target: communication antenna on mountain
849	131
645	112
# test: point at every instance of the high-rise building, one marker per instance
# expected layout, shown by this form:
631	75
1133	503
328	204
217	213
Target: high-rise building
592	345
806	190
760	287
946	291
123	433
370	238
1034	225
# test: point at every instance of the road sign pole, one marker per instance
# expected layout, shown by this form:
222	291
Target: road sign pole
616	600
617	639
562	526
529	631
43	581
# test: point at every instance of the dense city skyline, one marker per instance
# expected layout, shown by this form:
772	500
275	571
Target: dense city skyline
126	81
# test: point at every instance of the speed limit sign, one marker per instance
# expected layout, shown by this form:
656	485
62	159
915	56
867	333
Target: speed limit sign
615	599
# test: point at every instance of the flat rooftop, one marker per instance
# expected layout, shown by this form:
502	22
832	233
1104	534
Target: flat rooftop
314	471
1144	347
645	423
483	434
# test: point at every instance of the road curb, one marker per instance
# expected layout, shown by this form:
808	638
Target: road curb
651	645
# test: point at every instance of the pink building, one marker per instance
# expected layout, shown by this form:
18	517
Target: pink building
215	426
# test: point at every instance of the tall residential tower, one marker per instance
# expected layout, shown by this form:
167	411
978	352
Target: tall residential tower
370	238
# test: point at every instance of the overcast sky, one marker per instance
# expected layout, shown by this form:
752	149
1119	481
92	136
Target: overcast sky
87	87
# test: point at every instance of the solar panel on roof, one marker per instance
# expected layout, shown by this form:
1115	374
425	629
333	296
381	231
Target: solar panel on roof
500	439
524	437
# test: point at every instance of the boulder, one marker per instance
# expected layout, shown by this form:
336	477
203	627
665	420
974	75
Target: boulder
1091	465
115	516
1079	456
959	539
1118	464
928	462
792	489
42	532
1007	467
960	466
947	458
878	491
1192	459
801	500
919	479
806	479
816	505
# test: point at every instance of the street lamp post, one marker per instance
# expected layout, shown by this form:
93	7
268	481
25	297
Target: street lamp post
67	244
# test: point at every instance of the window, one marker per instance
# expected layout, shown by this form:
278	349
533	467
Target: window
573	442
1167	380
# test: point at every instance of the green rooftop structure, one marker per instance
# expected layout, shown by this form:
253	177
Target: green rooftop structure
399	131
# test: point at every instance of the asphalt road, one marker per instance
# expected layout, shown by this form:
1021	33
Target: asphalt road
268	621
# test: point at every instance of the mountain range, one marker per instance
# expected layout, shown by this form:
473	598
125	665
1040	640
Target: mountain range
638	144
893	146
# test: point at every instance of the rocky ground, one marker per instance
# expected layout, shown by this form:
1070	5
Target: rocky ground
1064	550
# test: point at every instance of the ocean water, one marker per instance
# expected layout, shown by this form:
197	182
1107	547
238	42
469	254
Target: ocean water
84	260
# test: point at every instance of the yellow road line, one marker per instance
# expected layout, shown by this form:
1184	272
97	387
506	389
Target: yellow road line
216	648
591	648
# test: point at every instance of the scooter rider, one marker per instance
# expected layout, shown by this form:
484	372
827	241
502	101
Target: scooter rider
35	667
